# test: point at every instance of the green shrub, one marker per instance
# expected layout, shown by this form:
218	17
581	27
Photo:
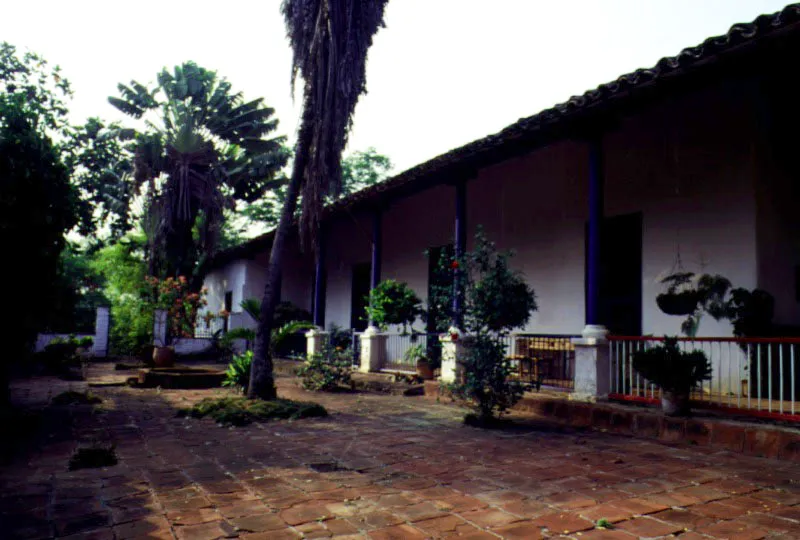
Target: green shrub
61	353
339	337
393	302
672	369
496	300
238	373
327	371
487	378
242	411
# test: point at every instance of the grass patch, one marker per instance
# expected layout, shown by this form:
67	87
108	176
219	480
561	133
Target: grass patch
603	523
92	458
236	411
76	398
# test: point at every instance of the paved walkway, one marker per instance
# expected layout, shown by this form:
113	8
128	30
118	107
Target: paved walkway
380	467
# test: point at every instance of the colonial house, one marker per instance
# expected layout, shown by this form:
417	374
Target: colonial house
691	163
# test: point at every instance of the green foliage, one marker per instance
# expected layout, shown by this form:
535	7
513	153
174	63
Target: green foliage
487	377
603	523
242	411
61	353
100	158
750	312
285	312
205	148
439	315
238	373
124	270
672	369
79	292
327	371
39	92
393	302
76	398
362	169
37	208
415	353
340	338
247	334
497	300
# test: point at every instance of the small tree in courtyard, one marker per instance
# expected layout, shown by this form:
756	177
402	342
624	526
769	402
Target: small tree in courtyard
497	300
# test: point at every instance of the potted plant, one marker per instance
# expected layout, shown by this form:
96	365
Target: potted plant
417	355
675	371
680	298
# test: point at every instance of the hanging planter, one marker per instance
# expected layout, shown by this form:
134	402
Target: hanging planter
681	303
681	297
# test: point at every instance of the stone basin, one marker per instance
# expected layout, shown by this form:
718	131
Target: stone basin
180	377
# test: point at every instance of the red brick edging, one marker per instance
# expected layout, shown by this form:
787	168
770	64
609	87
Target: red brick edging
768	441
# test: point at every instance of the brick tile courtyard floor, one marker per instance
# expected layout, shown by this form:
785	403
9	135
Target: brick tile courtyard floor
379	467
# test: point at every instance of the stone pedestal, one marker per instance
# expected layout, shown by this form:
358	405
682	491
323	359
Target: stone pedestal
373	350
453	348
316	339
101	328
592	379
160	328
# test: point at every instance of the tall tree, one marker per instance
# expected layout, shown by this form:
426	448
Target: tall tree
101	165
37	207
364	168
360	169
204	148
37	202
329	40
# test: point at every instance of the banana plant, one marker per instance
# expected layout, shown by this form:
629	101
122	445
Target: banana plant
203	148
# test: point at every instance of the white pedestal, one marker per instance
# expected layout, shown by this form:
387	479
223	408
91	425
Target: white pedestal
592	380
316	339
453	349
373	350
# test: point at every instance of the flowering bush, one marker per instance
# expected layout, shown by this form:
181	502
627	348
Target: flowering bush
181	305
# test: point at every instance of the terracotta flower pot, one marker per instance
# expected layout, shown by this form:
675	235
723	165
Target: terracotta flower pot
424	370
675	403
163	357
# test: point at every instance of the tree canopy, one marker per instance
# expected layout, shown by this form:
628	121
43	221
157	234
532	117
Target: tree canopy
204	147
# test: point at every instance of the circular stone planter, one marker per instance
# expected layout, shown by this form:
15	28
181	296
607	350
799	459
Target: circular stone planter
180	377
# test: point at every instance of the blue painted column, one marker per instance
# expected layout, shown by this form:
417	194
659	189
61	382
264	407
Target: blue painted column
460	242
594	256
377	248
319	282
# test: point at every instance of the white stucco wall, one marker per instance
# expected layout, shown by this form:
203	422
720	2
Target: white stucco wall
411	226
689	166
231	278
536	206
349	243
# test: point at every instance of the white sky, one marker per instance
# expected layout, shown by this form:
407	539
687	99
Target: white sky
443	72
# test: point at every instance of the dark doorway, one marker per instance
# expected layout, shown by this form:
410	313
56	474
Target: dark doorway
360	292
440	282
621	274
228	308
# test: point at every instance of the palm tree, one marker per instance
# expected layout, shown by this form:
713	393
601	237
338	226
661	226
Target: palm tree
329	40
204	148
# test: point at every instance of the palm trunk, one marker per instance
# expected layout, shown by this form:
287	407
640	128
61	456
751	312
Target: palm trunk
262	382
